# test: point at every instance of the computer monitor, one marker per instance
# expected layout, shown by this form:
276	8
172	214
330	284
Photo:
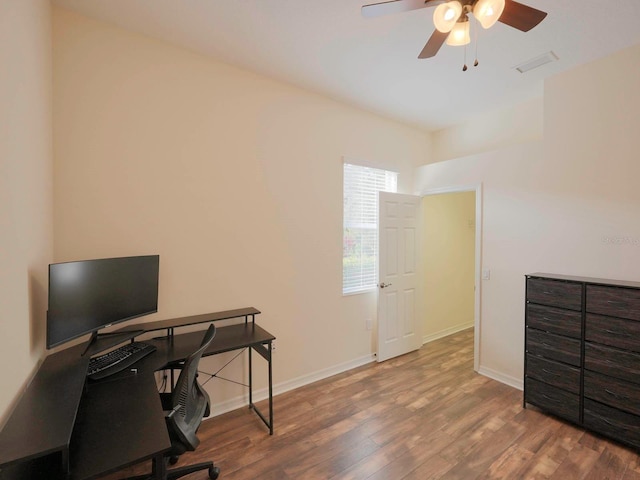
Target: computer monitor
89	295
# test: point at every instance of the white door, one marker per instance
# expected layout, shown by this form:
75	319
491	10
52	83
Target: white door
399	312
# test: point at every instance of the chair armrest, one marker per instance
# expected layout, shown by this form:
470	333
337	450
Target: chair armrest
171	413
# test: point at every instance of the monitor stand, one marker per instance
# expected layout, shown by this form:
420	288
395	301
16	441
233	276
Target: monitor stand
101	341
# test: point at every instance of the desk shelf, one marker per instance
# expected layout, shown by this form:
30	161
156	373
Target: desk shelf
172	323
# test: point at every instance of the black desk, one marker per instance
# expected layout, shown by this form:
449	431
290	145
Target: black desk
63	423
42	421
120	422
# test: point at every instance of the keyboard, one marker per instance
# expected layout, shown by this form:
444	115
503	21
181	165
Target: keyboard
118	359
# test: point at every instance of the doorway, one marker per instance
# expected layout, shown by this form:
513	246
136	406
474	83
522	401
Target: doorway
451	252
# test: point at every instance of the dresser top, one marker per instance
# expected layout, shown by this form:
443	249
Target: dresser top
590	280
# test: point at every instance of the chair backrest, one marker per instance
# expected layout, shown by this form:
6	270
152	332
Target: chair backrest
190	401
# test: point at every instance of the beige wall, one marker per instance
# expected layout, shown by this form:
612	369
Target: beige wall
234	179
567	204
449	262
25	189
500	128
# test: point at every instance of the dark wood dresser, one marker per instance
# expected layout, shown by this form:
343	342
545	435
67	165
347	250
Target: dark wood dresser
582	352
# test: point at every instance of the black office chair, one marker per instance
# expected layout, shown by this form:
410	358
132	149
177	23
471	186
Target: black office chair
186	405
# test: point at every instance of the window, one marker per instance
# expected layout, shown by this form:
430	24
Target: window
360	233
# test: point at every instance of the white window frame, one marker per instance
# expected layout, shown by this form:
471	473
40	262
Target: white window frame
361	184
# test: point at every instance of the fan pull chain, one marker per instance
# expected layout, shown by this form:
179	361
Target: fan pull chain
475	39
464	67
475	35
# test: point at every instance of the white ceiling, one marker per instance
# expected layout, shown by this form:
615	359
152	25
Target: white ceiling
328	47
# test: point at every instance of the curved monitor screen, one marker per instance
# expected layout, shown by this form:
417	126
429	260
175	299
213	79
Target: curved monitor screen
89	295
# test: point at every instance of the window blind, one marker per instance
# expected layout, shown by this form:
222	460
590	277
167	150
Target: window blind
360	233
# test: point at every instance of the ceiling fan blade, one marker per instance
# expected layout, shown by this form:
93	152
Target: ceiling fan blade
521	16
433	45
395	6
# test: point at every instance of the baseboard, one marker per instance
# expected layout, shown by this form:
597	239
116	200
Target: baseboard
278	388
263	393
502	378
446	332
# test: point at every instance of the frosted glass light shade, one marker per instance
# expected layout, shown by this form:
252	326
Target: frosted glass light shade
446	15
488	12
459	35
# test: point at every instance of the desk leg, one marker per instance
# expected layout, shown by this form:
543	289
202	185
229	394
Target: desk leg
265	352
270	391
250	380
158	468
65	462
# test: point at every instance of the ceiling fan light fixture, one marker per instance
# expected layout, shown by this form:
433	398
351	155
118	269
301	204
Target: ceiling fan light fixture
446	15
459	35
488	12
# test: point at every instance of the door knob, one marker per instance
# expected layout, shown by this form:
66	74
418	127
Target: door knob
384	285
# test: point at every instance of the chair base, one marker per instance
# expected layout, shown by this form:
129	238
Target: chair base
196	467
160	472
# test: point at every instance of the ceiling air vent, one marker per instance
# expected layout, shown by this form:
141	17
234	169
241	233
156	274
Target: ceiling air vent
536	62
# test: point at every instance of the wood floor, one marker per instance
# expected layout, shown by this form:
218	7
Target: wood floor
425	415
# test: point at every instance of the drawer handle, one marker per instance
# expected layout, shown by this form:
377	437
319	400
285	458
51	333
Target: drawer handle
546	292
611	424
615	395
616	302
615	332
550	373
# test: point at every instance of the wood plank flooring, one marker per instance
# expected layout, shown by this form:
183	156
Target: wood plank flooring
425	415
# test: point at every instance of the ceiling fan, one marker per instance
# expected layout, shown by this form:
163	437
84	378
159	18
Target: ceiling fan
451	18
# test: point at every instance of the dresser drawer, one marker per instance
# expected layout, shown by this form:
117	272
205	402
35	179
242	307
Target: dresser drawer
612	391
616	332
612	422
555	293
613	362
554	373
553	347
554	320
614	301
552	399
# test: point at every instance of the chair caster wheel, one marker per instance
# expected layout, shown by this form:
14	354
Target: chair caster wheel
214	472
173	459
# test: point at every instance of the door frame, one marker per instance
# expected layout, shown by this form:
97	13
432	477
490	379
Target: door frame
477	324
